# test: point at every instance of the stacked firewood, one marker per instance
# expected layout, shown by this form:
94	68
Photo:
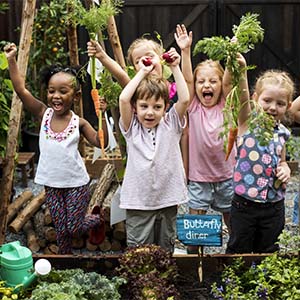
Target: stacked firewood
28	213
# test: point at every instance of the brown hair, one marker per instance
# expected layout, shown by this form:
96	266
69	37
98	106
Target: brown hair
276	77
149	87
152	45
210	63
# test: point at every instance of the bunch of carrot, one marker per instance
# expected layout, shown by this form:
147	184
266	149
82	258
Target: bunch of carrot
96	100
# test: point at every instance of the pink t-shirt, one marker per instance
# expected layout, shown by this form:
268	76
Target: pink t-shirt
206	154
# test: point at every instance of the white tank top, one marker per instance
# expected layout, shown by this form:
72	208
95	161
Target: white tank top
60	163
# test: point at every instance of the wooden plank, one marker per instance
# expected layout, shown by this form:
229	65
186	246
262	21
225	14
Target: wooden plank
187	264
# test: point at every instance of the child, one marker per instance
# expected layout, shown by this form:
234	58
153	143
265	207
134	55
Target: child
152	188
210	176
261	172
139	48
60	169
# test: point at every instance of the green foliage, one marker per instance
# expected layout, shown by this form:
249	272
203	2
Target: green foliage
109	89
293	147
276	277
49	44
261	124
6	91
150	272
75	284
48	47
247	33
95	18
3	7
7	293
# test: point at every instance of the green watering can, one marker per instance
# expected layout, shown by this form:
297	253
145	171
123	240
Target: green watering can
16	265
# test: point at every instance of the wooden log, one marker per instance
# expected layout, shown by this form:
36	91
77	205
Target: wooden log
30	209
15	206
116	245
119	231
105	245
51	249
50	233
47	217
32	240
105	180
90	247
110	194
78	243
106	214
15	116
38	224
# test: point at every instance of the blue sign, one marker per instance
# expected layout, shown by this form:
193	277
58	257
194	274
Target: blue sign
200	230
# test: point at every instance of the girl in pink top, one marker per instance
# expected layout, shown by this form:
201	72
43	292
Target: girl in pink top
210	176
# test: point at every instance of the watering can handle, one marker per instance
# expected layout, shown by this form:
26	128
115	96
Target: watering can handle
19	249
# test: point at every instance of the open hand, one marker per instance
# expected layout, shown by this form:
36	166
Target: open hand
183	39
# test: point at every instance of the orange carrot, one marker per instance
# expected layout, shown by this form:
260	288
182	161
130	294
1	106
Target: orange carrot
231	140
101	139
96	100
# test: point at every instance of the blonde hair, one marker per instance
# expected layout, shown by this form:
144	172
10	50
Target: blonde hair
210	63
155	46
149	87
278	78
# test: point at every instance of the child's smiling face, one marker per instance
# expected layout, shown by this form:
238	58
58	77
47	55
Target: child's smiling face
61	92
274	100
150	111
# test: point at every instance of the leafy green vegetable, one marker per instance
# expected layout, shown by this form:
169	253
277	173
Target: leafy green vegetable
75	284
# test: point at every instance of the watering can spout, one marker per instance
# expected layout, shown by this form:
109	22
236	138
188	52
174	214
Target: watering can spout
26	282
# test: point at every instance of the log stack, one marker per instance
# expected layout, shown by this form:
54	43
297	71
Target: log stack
29	215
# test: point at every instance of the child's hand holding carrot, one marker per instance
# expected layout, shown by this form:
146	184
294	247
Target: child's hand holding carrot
283	172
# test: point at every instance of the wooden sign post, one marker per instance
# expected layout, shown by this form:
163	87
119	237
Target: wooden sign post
200	230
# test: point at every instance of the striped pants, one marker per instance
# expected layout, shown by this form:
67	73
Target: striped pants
68	208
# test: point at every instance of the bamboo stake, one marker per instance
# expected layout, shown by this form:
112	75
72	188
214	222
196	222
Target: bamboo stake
74	61
119	57
15	116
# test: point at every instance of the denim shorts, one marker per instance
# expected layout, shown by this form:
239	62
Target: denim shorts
215	195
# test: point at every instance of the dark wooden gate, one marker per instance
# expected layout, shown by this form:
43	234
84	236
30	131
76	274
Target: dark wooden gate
280	19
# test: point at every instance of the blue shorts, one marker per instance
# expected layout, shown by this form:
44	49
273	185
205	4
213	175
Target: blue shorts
215	195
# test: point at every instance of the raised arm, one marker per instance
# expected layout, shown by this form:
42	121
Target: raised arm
31	103
126	110
184	42
94	49
182	89
295	110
